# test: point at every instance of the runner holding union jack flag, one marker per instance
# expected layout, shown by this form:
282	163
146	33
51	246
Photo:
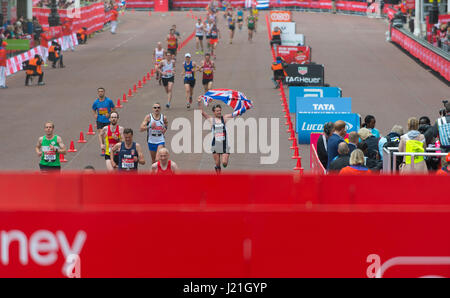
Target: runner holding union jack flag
239	103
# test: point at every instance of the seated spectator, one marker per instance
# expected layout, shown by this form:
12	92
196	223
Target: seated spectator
353	139
322	142
334	140
343	159
392	139
371	158
9	32
369	138
276	36
413	141
369	123
356	166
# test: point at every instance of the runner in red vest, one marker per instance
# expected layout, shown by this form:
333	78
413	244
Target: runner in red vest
172	42
164	166
208	67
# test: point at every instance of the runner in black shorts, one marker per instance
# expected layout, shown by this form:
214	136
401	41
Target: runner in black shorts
167	70
189	78
207	67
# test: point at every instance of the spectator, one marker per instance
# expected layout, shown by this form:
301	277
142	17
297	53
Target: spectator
442	128
356	166
353	139
413	141
391	140
369	123
369	138
343	159
37	29
444	171
371	158
334	140
322	142
427	130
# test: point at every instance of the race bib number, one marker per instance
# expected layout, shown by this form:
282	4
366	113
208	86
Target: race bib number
208	71
127	163
220	136
103	111
189	74
49	155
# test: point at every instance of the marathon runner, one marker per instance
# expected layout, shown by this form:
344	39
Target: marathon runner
219	146
232	27
111	135
156	126
189	78
158	55
250	25
167	70
240	18
215	35
207	29
199	32
48	148
208	67
255	14
129	153
164	166
172	41
102	108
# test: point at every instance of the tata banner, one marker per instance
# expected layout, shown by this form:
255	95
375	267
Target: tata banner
280	16
324	105
286	27
292	39
295	92
305	75
295	54
313	122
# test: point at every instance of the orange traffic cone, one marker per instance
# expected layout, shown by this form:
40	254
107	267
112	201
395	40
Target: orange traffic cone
171	14
148	76
91	131
61	158
119	106
134	88
139	84
124	98
187	15
72	147
144	81
292	137
296	155
149	13
298	167
133	10
130	94
294	144
82	140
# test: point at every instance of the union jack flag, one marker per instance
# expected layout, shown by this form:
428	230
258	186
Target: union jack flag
235	99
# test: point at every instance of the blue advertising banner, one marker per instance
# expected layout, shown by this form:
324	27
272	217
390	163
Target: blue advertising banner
313	122
295	92
324	104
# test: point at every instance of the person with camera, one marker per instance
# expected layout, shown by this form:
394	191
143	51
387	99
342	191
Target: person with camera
34	68
279	72
442	127
54	54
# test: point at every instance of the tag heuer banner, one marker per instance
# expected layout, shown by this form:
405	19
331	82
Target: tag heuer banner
305	75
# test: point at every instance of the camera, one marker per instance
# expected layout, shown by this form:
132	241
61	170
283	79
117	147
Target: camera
443	112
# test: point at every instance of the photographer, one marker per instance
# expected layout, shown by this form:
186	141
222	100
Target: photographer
278	71
34	68
442	127
54	54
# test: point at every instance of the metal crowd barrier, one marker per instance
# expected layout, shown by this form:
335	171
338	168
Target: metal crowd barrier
390	155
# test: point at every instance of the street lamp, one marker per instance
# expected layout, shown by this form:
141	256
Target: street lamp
53	18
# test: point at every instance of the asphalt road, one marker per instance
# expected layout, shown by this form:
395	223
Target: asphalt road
380	79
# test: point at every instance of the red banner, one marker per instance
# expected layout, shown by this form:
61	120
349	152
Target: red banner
161	5
290	54
428	57
277	226
140	3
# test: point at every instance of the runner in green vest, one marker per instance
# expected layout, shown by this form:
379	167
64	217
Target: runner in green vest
48	148
250	25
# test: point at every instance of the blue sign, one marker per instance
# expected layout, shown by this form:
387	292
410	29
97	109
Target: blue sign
295	92
324	104
313	122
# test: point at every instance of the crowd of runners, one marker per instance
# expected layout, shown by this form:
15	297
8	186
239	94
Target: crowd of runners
116	142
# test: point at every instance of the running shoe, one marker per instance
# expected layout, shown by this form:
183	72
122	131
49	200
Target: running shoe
198	53
41	84
188	105
168	105
201	52
190	99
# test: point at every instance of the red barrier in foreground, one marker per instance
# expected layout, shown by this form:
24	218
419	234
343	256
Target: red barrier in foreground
276	226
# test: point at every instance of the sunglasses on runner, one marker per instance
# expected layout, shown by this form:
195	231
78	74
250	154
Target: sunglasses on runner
157	108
